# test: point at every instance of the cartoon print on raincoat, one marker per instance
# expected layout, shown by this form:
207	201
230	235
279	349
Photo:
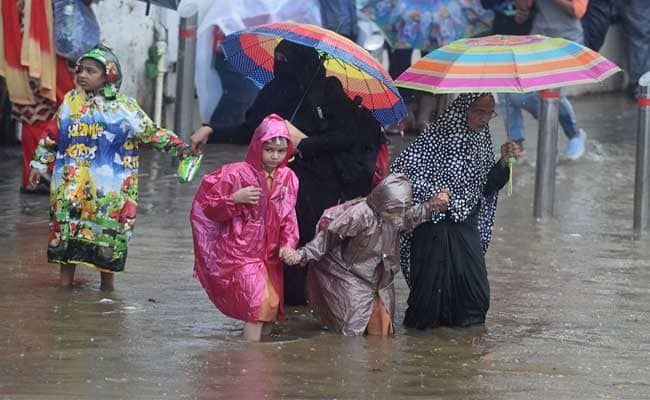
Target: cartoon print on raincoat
237	245
94	182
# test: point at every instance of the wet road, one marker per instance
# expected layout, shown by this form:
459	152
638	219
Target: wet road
568	319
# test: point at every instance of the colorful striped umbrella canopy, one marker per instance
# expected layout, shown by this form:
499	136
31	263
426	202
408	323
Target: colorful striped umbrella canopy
251	52
500	63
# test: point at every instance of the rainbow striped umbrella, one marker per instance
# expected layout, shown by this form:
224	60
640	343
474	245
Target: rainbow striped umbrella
510	64
251	52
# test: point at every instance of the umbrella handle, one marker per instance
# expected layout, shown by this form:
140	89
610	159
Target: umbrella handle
302	99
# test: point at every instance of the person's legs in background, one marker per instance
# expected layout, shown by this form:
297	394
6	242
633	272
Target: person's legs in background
510	105
575	147
426	107
636	17
398	61
513	103
596	21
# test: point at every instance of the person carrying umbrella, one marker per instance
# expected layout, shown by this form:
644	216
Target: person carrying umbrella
443	260
336	140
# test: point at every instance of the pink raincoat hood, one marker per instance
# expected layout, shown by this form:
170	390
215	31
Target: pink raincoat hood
271	127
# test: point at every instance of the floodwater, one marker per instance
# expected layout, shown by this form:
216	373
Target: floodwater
568	318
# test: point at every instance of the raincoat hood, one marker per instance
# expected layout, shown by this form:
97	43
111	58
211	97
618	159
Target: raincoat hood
392	194
112	70
271	127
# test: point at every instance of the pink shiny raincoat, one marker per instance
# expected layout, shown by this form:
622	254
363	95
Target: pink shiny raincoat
235	245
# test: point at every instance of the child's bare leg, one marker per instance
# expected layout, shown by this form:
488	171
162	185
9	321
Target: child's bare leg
267	328
107	281
253	331
66	275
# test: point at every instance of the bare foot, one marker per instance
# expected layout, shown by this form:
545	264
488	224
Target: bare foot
253	331
267	329
107	282
66	275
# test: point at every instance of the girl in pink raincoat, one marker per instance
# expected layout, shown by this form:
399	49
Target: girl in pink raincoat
242	216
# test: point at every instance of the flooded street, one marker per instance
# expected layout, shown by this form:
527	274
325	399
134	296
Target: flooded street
569	315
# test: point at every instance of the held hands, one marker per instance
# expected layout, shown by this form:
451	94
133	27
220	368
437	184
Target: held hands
199	138
440	201
289	256
509	150
247	195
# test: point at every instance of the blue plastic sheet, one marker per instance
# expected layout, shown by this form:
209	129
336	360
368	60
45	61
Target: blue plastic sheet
75	28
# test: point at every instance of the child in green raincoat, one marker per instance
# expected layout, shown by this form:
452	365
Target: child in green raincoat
94	184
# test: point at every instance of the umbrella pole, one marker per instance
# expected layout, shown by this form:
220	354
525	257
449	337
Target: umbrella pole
185	103
642	173
304	95
511	161
546	154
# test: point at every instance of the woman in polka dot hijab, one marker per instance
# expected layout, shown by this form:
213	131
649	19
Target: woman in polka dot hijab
443	260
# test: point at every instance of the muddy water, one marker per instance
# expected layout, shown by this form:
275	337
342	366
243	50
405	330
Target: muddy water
568	318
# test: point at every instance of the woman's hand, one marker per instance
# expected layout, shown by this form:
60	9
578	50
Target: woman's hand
34	177
247	195
199	138
296	134
440	201
509	150
289	256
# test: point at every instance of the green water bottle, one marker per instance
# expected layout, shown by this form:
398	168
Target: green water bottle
189	168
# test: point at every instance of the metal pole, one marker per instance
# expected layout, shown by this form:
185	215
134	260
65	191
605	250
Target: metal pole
642	175
184	109
546	153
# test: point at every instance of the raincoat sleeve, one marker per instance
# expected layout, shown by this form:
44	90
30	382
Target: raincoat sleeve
350	223
215	196
146	130
289	234
45	153
289	230
496	179
415	216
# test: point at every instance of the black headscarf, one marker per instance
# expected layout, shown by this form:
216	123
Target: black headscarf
302	66
449	154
